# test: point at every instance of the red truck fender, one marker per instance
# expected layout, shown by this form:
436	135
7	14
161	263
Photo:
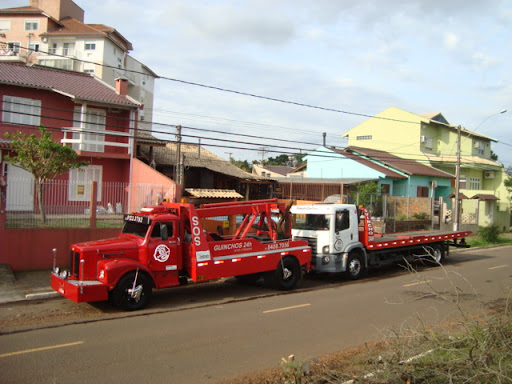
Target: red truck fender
110	271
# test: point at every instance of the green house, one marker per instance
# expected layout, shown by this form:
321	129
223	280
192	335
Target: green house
430	139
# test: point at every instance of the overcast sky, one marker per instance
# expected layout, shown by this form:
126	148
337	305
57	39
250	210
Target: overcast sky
361	57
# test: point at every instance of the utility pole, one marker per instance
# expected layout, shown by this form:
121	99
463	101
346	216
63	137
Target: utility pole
456	205
179	160
263	151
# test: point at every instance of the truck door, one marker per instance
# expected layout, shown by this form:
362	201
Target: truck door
343	235
164	247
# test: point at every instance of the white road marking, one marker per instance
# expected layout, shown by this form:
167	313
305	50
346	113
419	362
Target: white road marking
418	283
286	308
499	266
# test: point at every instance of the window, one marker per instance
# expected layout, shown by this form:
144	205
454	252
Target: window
33	47
367	137
422	191
80	182
156	233
53	49
20	110
342	220
5	25
31	25
479	146
474	183
93	140
67	49
90	46
463	182
14	46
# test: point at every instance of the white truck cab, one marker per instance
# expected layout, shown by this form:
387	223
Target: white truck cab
332	231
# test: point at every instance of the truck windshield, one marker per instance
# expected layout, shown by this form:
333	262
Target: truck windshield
134	228
311	222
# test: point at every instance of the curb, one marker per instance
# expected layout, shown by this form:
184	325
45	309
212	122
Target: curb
41	295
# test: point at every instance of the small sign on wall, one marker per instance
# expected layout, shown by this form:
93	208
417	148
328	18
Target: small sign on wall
80	189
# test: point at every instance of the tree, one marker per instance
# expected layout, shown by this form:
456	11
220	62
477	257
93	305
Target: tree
44	158
508	184
244	165
494	156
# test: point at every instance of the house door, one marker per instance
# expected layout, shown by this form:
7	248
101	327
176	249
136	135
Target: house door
20	189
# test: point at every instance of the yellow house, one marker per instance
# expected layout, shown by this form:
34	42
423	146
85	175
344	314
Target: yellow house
432	140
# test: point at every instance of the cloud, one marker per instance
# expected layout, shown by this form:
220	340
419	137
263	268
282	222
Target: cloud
451	40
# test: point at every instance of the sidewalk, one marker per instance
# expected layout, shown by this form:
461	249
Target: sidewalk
23	286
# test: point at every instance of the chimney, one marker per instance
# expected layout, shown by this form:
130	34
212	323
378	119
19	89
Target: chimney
122	86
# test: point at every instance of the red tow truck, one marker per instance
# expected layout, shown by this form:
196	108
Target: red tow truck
168	244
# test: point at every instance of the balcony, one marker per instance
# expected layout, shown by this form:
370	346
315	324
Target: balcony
99	143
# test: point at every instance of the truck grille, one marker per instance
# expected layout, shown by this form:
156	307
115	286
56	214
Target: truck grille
75	263
312	242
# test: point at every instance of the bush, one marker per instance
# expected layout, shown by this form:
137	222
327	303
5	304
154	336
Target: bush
490	233
421	216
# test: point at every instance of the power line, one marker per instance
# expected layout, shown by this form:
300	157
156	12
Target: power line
226	90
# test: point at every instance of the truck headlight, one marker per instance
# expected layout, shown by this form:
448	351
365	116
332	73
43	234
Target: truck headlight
101	275
325	249
326	259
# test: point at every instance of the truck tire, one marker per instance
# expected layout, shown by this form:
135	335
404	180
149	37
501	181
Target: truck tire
286	276
121	296
437	254
355	266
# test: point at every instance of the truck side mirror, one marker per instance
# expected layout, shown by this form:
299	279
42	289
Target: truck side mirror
164	234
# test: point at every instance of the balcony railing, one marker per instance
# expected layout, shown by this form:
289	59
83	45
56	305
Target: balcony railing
94	140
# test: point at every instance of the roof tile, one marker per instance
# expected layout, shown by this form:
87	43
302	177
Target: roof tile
76	84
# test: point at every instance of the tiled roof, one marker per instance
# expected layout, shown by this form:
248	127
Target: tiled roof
407	166
144	137
76	85
483	196
5	144
370	164
280	169
198	157
214	193
26	11
73	27
464	160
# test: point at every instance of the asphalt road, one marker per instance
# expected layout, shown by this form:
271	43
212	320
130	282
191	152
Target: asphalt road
209	333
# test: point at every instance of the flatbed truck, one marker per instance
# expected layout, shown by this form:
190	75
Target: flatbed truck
342	239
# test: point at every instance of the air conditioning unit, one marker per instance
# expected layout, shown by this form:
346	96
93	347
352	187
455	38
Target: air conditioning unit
423	139
489	174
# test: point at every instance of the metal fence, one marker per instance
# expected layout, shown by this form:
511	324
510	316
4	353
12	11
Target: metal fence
66	204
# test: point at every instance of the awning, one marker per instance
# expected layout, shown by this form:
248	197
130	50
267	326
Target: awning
461	196
214	193
485	197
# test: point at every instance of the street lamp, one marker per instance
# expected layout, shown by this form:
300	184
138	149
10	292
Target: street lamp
456	209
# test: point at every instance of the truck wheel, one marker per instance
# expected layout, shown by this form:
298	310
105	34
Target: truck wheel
125	297
436	256
286	276
355	266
